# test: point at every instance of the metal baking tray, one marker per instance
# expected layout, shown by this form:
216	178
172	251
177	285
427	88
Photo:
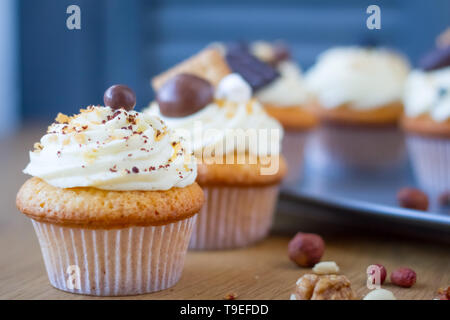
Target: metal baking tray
370	194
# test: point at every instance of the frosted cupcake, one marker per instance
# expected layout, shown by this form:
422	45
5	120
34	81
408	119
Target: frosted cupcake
113	200
427	121
359	103
277	82
237	145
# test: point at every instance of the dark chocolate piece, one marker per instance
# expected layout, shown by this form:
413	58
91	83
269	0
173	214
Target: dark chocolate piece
436	59
257	73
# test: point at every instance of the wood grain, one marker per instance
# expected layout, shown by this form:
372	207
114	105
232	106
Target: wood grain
259	272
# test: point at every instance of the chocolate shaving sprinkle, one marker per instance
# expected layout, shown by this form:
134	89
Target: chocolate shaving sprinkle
131	119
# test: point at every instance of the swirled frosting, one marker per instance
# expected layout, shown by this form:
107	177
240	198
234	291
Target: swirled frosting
113	150
362	78
234	114
428	93
289	89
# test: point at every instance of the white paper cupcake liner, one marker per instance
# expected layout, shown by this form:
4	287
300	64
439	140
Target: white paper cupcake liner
293	147
115	262
430	158
353	147
234	217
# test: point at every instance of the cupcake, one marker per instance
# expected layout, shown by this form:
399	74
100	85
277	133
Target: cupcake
359	104
427	121
281	90
236	145
113	199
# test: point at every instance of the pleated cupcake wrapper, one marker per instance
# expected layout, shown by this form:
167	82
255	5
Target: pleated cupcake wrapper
357	148
293	150
118	262
234	217
430	159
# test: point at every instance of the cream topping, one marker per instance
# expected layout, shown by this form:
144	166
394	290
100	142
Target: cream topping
289	89
360	77
428	93
112	150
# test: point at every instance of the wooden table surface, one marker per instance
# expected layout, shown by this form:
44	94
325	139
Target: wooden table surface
259	272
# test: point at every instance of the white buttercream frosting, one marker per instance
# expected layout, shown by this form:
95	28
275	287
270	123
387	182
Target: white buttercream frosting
428	93
216	124
112	150
363	78
289	89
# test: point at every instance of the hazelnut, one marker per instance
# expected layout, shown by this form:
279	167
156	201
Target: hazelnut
403	277
183	95
382	271
412	198
306	249
120	96
323	287
444	199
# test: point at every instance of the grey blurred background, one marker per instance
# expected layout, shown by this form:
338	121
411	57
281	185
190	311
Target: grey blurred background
47	68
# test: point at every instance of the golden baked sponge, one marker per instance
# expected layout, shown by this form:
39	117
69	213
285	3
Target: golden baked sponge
103	209
244	175
424	125
388	114
294	118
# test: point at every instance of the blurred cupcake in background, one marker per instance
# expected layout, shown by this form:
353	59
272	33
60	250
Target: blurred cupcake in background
359	103
277	82
237	145
427	119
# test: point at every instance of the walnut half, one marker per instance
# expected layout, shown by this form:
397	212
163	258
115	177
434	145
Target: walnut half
323	287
